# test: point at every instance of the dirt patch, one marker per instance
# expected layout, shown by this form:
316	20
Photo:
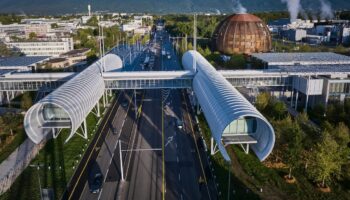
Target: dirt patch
290	180
275	165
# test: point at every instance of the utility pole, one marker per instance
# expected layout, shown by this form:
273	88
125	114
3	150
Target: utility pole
229	181
195	41
38	168
135	104
195	32
103	50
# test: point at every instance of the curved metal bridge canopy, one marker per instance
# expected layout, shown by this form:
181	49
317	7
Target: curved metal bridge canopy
231	118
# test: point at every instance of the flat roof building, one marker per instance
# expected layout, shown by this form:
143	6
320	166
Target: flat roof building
314	58
24	63
43	48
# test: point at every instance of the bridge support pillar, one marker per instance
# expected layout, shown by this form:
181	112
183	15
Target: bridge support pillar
98	109
296	100
85	131
306	103
1	98
8	96
104	100
291	98
198	109
213	146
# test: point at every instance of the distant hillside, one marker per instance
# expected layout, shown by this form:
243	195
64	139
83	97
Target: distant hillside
151	6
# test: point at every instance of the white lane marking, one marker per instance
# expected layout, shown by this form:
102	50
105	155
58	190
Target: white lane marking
179	177
170	139
182	197
175	145
99	195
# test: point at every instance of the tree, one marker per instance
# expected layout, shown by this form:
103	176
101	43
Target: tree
54	25
32	36
325	160
189	46
302	118
262	100
294	138
279	109
237	61
341	135
318	112
26	101
4	51
93	21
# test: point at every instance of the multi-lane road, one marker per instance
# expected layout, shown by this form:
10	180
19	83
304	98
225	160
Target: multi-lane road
160	159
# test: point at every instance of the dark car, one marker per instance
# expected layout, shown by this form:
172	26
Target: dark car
95	178
125	103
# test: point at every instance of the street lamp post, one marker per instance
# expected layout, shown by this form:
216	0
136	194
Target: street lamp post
130	150
38	168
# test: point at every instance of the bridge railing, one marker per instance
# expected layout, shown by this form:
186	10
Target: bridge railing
149	84
24	85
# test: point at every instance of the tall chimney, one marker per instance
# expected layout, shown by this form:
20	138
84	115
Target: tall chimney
89	9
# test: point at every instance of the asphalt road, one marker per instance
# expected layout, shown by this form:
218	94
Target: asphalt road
178	170
160	160
103	152
80	177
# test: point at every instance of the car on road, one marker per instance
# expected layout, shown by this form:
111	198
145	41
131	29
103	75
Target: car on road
114	130
179	124
169	55
95	179
125	103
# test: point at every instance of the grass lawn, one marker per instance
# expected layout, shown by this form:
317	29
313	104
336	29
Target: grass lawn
58	161
10	147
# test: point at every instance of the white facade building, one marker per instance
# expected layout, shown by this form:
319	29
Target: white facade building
12	27
44	48
346	36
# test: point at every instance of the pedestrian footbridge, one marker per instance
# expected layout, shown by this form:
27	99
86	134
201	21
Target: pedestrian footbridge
232	119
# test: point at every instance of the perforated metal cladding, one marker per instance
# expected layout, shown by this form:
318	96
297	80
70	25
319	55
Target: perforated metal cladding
242	33
222	104
76	98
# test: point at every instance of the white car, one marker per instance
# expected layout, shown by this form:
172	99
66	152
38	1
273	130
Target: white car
179	124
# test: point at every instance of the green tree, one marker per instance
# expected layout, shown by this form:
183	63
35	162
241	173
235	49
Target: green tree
207	52
237	61
294	138
4	51
262	100
341	134
302	118
93	21
279	110
32	36
26	101
325	160
189	46
54	25
317	112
